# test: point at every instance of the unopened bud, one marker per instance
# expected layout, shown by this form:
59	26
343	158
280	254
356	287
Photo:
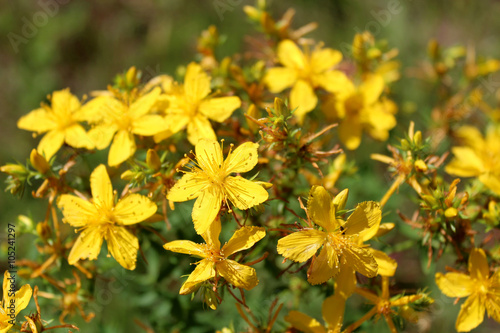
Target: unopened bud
153	160
280	107
39	162
340	200
128	175
43	230
417	138
451	212
420	166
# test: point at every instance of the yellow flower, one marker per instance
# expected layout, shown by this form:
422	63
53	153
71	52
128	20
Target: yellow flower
332	310
304	73
214	258
361	108
61	122
100	219
338	238
479	157
483	291
12	302
191	107
119	121
384	305
209	180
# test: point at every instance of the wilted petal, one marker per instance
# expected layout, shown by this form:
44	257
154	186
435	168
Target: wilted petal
361	260
366	215
324	266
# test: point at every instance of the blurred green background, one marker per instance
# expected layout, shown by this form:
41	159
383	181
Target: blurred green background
50	45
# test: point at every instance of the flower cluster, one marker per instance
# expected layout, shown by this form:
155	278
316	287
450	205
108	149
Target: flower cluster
259	150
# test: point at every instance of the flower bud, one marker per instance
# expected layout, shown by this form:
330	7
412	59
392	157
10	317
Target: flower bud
39	162
450	212
420	166
340	200
153	160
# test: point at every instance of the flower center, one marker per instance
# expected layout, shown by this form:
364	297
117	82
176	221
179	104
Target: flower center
214	255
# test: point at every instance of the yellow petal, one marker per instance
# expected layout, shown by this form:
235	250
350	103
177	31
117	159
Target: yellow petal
304	323
205	209
371	89
187	188
186	247
209	155
196	83
23	297
134	208
77	212
386	265
102	190
122	148
144	104
345	282
333	312
492	181
200	128
148	125
76	137
38	120
123	246
324	59
324	266
211	236
455	284
303	98
101	108
63	102
244	238
334	81
471	136
492	303
173	123
478	265
50	143
87	245
465	164
242	159
361	260
366	215
219	109
319	208
278	79
471	313
244	193
301	245
240	276
290	55
350	132
204	270
102	135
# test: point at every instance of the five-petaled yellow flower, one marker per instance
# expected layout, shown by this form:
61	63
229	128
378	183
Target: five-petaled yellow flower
338	238
12	302
61	122
305	72
215	260
119	121
100	219
483	291
191	107
361	108
480	157
209	180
